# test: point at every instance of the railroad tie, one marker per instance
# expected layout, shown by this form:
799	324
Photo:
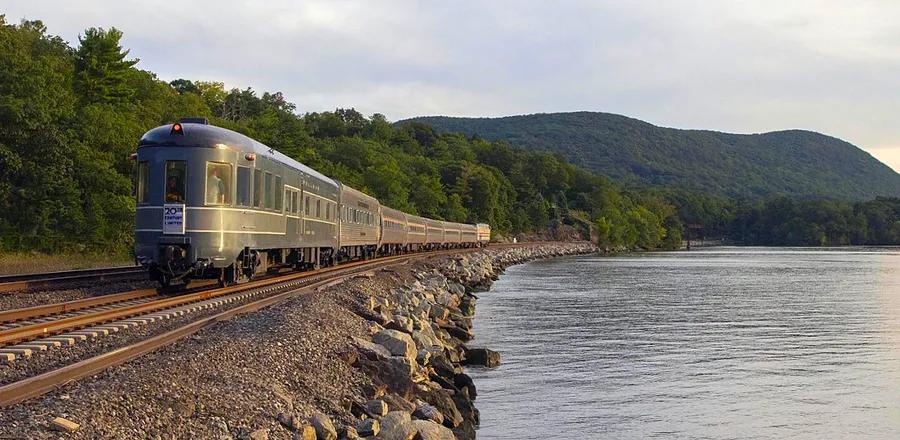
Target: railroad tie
16	352
32	347
91	332
46	343
109	328
63	340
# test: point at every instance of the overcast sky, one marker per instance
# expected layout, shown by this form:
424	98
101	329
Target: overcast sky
738	66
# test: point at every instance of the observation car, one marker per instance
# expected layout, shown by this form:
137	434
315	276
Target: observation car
215	204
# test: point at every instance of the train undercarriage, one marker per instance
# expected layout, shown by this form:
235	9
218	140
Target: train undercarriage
175	269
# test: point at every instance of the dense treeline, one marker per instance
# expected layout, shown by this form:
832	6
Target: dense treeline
69	118
783	221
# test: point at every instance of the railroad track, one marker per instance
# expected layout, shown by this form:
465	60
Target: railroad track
16	318
22	340
13	283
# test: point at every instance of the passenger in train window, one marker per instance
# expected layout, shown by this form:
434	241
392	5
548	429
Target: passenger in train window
174	191
175	180
218	184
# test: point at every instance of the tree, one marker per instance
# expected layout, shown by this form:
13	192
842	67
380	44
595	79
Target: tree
184	86
101	70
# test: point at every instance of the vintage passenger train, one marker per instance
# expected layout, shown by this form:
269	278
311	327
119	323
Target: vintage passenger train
213	203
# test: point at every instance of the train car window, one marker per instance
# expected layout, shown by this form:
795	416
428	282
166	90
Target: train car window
143	180
294	207
243	186
287	200
257	188
270	199
318	209
176	177
218	183
278	199
328	211
306	206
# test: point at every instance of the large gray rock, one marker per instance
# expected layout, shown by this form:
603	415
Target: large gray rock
425	411
377	407
350	434
444	404
482	356
405	324
290	421
398	343
456	288
372	349
397	425
439	312
428	430
425	339
423	356
324	428
467	306
368	427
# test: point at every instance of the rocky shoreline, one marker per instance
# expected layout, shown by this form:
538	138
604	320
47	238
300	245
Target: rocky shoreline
378	356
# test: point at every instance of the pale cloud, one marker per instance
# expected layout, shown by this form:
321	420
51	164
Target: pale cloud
740	66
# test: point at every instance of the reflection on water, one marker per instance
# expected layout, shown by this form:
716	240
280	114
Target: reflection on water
719	343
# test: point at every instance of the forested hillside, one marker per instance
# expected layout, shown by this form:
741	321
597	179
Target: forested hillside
794	163
70	117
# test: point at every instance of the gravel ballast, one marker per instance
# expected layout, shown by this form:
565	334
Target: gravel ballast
286	370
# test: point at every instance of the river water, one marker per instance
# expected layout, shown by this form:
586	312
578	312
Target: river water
720	343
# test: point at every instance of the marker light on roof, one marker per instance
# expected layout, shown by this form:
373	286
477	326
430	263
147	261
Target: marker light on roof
177	128
132	156
250	156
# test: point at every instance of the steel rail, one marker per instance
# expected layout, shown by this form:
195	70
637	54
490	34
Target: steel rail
37	385
13	315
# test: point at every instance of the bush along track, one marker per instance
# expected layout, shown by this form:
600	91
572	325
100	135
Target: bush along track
379	355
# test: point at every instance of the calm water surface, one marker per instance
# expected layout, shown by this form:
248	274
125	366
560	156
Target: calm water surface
721	343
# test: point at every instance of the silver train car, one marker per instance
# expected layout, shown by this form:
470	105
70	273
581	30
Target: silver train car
215	204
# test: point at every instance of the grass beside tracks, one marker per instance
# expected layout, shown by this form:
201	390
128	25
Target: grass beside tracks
33	262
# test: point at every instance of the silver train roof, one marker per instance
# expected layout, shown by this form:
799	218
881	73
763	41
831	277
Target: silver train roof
210	136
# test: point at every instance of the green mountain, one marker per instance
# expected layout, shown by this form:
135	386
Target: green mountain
794	162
